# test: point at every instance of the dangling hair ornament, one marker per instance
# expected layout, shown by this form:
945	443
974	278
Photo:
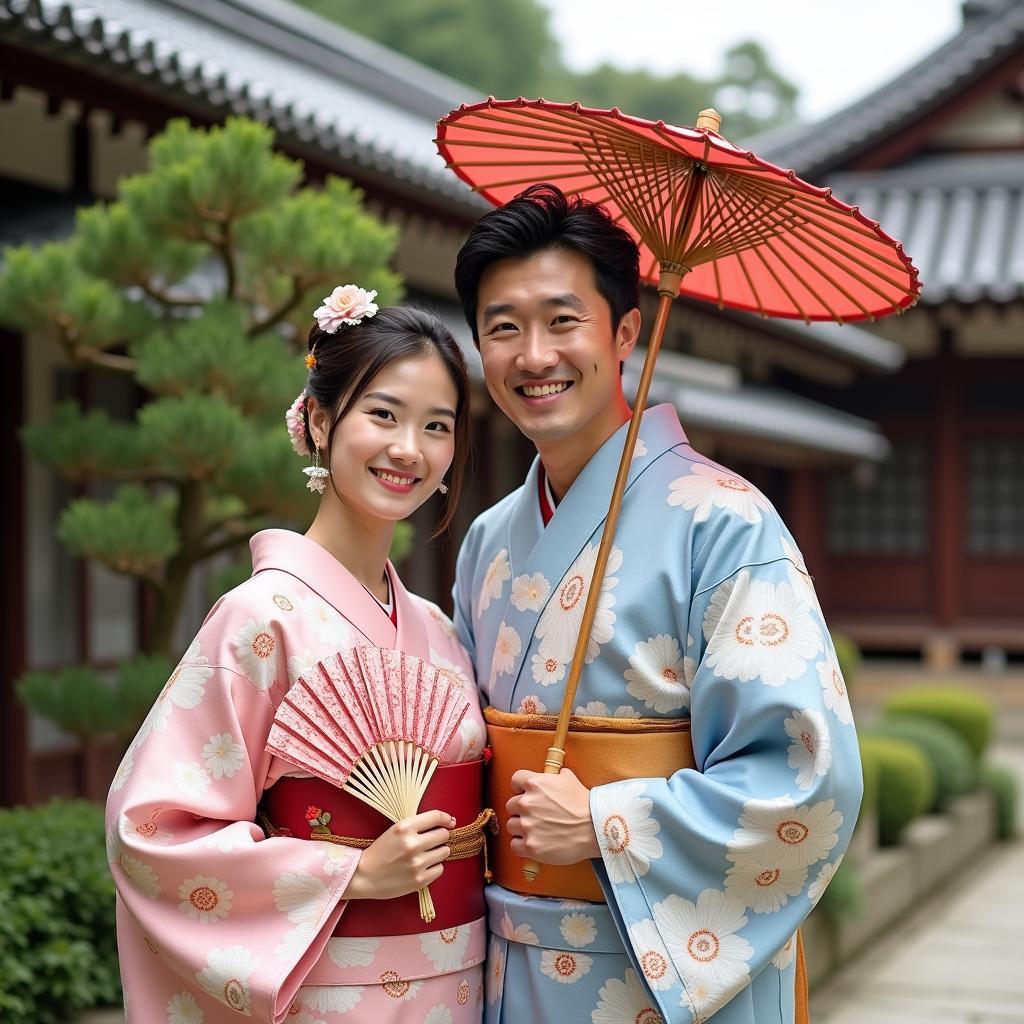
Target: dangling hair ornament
317	482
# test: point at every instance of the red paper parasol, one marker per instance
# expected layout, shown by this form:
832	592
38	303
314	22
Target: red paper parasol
712	220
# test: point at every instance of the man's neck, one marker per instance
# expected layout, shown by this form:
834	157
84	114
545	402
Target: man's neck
565	459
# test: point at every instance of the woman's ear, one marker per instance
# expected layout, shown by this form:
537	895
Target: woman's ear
319	424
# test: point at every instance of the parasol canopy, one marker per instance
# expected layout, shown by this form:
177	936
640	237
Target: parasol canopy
744	233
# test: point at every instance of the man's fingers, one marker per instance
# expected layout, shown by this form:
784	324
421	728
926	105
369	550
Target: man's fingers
520	779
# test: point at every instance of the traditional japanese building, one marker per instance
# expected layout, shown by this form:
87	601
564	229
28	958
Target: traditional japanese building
82	88
924	550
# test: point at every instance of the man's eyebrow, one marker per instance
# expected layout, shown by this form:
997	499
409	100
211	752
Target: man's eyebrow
568	299
382	396
496	309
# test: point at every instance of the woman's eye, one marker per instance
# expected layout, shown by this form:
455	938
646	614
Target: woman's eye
439	425
383	414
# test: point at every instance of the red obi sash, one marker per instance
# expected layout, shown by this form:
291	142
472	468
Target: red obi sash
458	894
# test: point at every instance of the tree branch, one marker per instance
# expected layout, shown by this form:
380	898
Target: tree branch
224	245
276	316
225	544
97	357
167	300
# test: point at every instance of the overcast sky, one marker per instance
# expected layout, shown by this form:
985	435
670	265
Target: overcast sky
835	51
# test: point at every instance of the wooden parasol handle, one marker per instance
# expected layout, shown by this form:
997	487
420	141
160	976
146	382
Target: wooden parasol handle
668	289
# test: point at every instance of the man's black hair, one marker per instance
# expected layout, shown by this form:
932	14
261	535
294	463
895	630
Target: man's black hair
539	219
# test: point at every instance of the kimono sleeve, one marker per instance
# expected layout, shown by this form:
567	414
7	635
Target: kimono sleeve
462	593
235	914
711	871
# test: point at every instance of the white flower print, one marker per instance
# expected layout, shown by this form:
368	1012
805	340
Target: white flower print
817	888
651	954
531	705
530	592
234	837
139	874
495	981
204	898
560	622
833	687
756	629
472	738
337	859
547	671
301	665
301	896
798	574
182	1008
659	674
598	709
706	487
446	949
295	942
701	939
190	779
446	624
223	756
148	831
226	977
352	952
438	1015
124	770
185	689
397	987
330	998
639	449
780	834
494	579
506	649
763	889
456	670
625	1002
785	956
326	624
810	753
565	968
256	648
518	933
578	930
626	832
301	1017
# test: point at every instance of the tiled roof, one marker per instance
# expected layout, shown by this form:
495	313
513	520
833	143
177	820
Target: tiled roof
993	32
309	78
961	218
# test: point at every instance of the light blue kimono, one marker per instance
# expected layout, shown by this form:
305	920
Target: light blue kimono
707	612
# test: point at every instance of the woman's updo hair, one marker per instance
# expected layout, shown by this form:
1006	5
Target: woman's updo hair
348	360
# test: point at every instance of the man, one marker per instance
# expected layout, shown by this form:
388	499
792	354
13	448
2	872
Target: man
707	618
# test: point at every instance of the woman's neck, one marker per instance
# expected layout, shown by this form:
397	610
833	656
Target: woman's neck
361	546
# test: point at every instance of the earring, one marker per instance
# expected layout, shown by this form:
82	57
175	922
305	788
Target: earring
442	487
317	482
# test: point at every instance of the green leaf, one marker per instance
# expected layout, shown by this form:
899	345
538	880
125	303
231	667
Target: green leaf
79	700
190	437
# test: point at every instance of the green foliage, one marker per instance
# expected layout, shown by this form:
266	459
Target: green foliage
507	48
401	542
968	713
906	784
58	953
844	896
132	533
870	770
1002	784
191	437
950	757
139	682
849	658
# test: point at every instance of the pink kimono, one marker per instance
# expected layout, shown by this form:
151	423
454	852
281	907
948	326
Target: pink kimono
214	920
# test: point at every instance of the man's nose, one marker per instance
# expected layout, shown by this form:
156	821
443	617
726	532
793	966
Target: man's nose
536	353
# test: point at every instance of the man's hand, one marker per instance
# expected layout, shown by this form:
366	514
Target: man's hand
549	818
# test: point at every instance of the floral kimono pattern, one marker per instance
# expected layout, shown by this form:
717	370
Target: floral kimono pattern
217	922
706	612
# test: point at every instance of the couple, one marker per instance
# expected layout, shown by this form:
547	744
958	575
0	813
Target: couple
708	652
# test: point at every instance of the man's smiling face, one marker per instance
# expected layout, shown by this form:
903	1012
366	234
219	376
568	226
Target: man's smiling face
550	354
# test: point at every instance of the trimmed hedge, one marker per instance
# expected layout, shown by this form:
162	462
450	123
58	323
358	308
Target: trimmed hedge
968	713
844	896
58	950
1002	784
906	784
950	757
870	771
849	658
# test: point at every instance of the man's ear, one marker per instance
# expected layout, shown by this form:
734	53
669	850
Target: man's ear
627	334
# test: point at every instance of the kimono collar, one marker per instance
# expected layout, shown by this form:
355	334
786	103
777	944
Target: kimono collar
319	570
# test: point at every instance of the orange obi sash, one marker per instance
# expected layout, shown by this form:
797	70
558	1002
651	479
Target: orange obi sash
598	750
458	894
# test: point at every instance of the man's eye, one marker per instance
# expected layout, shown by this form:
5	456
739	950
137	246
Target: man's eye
564	318
503	327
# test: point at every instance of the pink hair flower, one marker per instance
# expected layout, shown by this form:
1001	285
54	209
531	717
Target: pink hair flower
347	304
295	420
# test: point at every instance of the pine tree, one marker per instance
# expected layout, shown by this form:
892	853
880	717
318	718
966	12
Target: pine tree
198	282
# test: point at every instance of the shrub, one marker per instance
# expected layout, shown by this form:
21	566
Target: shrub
58	951
969	713
950	757
1002	784
848	656
842	898
906	785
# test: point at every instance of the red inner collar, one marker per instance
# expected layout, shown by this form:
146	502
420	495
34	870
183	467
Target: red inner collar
546	511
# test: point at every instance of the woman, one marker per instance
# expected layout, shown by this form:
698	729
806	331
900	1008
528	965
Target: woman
220	917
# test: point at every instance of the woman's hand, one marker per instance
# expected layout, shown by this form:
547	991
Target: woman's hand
406	858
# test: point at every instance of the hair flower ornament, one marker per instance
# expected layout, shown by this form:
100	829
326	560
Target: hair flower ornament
295	420
347	304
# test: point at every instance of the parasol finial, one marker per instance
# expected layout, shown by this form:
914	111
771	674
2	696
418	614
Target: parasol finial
709	118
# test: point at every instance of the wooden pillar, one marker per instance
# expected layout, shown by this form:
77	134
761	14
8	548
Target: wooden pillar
15	779
806	517
948	500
